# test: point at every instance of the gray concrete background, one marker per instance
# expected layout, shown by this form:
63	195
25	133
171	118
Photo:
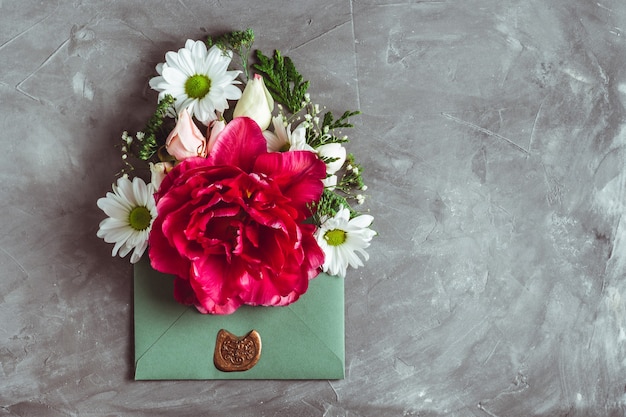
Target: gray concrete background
493	139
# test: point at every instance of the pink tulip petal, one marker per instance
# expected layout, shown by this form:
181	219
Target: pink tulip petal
238	144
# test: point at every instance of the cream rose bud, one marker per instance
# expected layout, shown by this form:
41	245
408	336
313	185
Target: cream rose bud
212	133
158	171
256	103
186	140
333	151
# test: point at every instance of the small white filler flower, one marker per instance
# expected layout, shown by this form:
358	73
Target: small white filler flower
198	79
342	239
131	210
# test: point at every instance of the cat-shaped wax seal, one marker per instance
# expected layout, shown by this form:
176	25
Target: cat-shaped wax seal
235	354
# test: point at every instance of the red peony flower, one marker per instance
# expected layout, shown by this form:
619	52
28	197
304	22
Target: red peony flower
231	227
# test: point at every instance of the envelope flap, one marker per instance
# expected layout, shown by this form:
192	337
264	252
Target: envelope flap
153	307
327	310
302	341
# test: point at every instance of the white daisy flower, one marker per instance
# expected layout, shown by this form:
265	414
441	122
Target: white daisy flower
131	210
283	139
343	239
198	79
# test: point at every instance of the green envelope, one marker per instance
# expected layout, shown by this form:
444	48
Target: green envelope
304	340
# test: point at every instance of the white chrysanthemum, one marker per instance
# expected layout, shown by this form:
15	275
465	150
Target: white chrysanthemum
283	139
342	239
198	79
131	210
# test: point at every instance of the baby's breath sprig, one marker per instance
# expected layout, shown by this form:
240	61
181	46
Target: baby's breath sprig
348	187
128	147
329	204
325	132
125	146
319	134
240	41
353	177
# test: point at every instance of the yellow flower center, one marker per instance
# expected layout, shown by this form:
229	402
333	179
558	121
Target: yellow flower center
139	218
198	86
335	237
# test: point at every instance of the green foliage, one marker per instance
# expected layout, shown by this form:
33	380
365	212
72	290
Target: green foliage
353	177
327	127
149	145
239	41
328	206
283	80
329	122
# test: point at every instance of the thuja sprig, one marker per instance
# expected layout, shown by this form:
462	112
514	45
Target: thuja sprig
283	80
331	123
239	41
147	147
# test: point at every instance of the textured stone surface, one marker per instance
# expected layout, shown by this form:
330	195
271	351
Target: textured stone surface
493	137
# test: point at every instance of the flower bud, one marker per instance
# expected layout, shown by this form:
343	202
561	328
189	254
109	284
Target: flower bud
158	171
330	182
213	131
186	140
256	103
333	151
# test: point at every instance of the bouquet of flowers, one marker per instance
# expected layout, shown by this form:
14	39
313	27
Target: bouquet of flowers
251	190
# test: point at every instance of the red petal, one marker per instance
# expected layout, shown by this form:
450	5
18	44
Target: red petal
239	144
299	175
313	253
171	178
183	293
216	284
163	257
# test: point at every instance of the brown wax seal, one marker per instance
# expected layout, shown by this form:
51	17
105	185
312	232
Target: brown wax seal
235	354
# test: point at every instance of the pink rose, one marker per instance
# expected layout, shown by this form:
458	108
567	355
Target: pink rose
231	226
186	140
